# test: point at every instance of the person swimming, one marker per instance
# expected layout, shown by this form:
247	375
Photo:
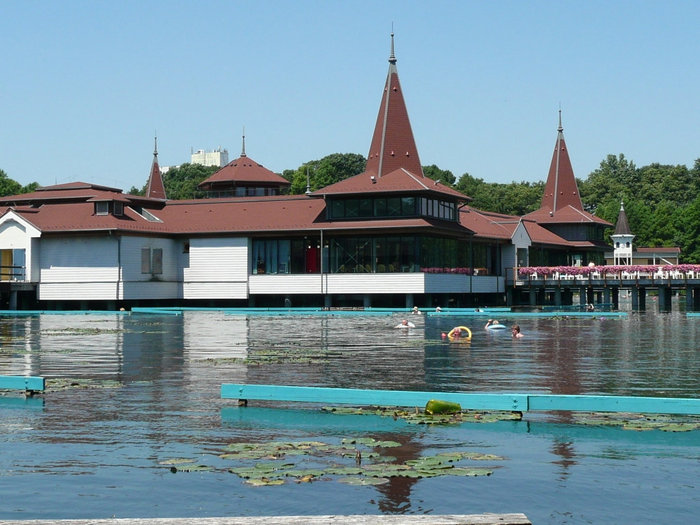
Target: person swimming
405	323
515	330
493	324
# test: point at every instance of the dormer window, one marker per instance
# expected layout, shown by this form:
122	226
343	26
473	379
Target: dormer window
118	209
102	208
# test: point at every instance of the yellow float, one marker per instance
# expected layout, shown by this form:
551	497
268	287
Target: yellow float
462	330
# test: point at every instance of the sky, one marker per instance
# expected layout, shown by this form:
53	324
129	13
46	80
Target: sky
85	86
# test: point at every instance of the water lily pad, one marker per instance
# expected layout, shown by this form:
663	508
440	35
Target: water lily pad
471	472
363	481
264	482
176	461
191	467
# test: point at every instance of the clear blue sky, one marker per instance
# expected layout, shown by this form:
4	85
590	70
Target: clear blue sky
85	85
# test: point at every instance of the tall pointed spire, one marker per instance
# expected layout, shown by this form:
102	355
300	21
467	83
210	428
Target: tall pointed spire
155	188
243	148
561	189
393	146
622	226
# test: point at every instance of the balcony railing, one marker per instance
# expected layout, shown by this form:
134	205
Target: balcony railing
12	273
606	273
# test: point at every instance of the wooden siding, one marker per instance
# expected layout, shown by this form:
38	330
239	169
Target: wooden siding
508	254
150	290
131	258
214	290
78	268
218	269
74	291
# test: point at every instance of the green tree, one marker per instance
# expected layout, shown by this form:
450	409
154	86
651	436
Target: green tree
616	177
324	172
8	186
444	176
181	182
687	222
658	182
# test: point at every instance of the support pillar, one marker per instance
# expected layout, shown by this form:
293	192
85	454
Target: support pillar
635	299
616	298
665	298
328	301
13	300
590	295
367	301
533	297
582	296
606	296
409	300
567	297
557	296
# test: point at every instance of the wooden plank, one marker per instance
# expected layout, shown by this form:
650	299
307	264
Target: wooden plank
30	383
415	519
473	401
371	397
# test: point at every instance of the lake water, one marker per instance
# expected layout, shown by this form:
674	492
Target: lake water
154	399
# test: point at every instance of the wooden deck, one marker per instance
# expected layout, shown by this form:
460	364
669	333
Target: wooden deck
418	519
468	401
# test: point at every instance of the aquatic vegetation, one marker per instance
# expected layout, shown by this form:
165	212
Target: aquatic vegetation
355	461
58	384
420	417
73	330
640	422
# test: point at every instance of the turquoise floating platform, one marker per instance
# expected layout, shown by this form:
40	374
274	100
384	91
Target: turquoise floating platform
28	383
468	401
551	313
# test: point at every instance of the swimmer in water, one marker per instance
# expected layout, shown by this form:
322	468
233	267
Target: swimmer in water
515	330
492	323
405	324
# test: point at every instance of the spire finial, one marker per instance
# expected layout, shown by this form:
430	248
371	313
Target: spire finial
560	128
243	148
155	148
622	205
392	57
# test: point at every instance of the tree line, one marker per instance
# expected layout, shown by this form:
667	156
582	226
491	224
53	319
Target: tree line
662	201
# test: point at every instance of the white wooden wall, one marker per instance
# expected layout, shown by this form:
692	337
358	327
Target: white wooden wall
137	285
218	269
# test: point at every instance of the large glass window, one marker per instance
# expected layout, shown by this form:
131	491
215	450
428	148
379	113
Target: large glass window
369	207
271	256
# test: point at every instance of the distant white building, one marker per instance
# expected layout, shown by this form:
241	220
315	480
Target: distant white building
218	157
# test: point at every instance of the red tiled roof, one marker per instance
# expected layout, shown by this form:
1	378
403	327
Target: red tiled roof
392	145
245	169
156	188
398	181
566	215
490	225
660	249
561	189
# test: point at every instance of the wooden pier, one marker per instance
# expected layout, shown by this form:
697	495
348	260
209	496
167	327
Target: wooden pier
468	401
559	289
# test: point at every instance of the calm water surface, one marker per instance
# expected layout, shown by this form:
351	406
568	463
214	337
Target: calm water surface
98	452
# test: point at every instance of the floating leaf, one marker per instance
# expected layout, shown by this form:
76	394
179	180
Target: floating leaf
460	471
363	481
264	482
191	468
176	461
